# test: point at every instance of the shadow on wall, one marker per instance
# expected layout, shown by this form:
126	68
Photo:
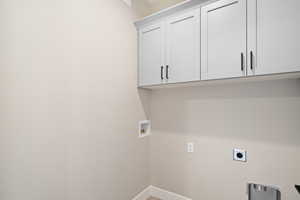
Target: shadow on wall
145	99
267	111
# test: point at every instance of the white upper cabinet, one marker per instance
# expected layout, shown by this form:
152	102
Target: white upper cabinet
151	55
183	47
223	39
169	51
219	40
274	36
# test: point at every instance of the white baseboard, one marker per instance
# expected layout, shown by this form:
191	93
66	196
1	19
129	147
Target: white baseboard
153	191
166	195
128	2
144	195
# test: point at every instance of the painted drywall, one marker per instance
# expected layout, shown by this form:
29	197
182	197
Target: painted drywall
69	103
262	117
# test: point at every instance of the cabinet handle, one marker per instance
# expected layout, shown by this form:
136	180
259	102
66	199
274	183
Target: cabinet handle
242	61
251	60
167	71
161	73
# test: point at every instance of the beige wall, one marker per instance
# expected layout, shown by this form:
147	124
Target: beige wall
69	105
69	110
262	118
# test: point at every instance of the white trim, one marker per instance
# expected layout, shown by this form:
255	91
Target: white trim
166	195
144	195
128	2
153	191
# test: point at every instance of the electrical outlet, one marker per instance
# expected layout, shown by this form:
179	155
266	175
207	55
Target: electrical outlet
144	128
190	147
240	155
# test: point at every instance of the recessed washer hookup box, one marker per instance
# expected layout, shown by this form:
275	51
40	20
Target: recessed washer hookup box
297	188
263	192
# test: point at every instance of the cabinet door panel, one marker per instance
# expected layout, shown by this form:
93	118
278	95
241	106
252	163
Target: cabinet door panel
223	44
183	47
151	55
278	36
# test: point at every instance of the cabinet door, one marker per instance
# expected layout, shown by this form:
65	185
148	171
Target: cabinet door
223	39
183	47
151	55
275	36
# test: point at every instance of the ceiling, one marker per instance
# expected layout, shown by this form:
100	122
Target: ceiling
146	7
163	3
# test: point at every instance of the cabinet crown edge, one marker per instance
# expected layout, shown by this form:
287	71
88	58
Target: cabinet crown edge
171	10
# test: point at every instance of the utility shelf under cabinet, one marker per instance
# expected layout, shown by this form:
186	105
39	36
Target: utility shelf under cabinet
239	38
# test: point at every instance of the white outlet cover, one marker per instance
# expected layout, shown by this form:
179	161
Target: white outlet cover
144	128
190	147
240	155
